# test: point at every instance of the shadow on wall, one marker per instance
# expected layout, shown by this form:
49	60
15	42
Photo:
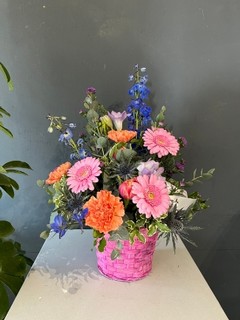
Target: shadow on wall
221	268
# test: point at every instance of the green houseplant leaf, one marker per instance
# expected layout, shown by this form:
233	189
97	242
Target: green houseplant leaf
13	263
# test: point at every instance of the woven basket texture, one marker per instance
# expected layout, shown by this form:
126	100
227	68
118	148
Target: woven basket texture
134	263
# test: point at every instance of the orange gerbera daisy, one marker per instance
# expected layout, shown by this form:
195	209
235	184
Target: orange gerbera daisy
121	135
104	212
57	173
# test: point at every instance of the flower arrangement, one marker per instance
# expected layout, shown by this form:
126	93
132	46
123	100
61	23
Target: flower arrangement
125	174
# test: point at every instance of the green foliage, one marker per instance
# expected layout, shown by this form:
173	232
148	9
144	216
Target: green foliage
13	262
199	178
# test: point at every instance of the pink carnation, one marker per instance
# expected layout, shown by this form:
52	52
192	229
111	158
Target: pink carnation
82	174
160	141
150	195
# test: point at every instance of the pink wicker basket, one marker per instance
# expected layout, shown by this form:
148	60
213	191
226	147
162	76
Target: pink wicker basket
134	263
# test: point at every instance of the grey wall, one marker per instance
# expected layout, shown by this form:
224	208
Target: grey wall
55	49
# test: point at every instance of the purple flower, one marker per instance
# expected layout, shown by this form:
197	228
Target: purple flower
118	118
66	136
183	141
59	225
180	165
91	90
150	167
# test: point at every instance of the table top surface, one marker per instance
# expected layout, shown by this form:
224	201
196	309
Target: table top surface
64	282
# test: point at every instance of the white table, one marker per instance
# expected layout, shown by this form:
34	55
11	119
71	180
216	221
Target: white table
64	283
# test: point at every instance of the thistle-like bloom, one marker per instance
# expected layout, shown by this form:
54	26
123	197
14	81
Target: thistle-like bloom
122	135
104	212
150	167
83	174
59	225
80	216
160	141
57	173
150	195
118	118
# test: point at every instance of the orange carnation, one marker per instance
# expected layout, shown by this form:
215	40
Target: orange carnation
104	212
121	135
57	173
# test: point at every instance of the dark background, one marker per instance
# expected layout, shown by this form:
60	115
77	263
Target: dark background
55	49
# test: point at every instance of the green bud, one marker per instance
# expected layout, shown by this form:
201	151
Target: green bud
50	129
106	120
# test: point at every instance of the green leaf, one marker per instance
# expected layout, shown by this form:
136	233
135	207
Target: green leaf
4	180
4	305
13	282
14	184
4	112
5	228
9	190
102	244
141	237
7	76
115	254
16	164
6	131
16	171
101	142
2	170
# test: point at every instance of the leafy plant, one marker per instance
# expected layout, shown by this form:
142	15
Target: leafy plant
13	262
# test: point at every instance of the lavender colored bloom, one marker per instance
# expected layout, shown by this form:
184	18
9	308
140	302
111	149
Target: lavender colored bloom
59	225
180	165
150	167
118	118
91	90
183	141
66	136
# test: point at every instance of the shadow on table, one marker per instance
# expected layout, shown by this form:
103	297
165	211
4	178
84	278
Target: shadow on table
70	269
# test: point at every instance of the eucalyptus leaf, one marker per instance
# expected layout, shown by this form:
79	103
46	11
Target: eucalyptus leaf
101	142
115	254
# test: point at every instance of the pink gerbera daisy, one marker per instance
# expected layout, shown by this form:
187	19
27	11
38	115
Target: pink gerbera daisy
160	141
82	174
150	195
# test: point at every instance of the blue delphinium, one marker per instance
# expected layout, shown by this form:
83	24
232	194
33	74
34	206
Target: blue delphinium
59	226
139	114
66	136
